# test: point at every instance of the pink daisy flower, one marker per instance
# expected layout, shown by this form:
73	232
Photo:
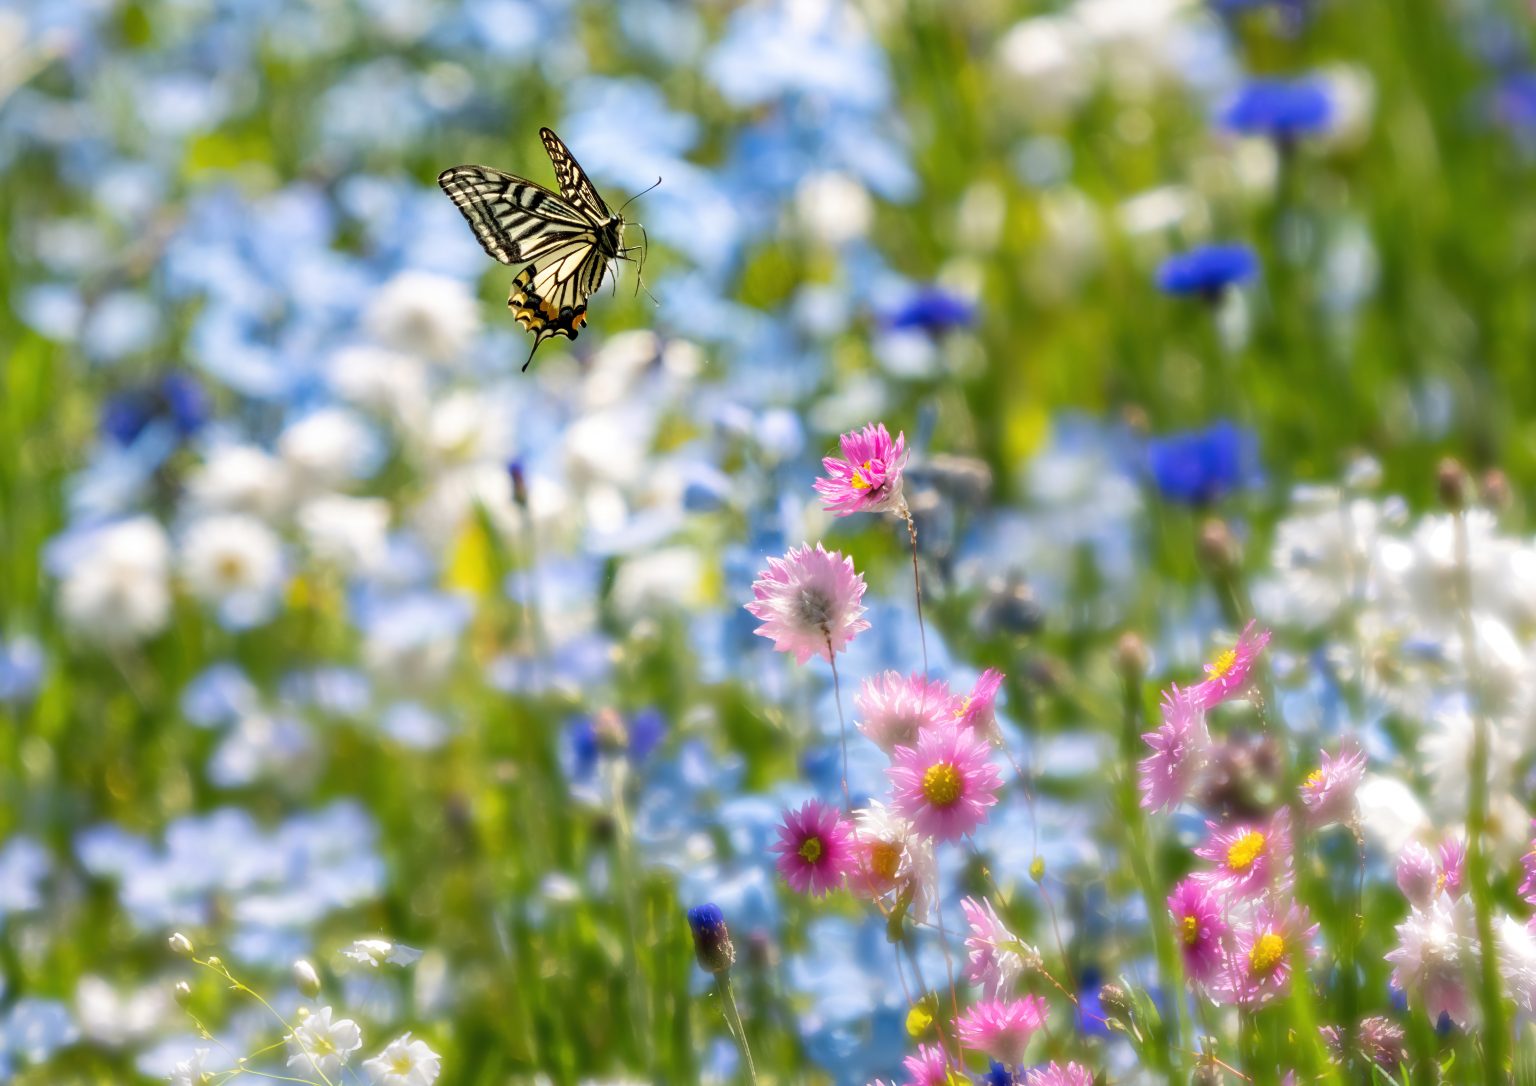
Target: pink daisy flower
1249	859
977	710
1054	1074
816	849
1000	1028
945	784
867	477
1328	793
1180	750
997	955
1453	863
1418	874
1528	884
1263	954
893	710
809	602
1227	675
1199	927
930	1067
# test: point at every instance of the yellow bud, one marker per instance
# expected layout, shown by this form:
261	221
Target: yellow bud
919	1021
1037	869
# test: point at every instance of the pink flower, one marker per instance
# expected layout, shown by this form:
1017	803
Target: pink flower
1249	859
815	847
945	784
1054	1074
867	477
1180	749
1328	793
1265	948
976	710
893	710
809	602
1227	675
930	1067
1436	947
997	956
1001	1029
1528	884
1453	862
1418	875
1199	928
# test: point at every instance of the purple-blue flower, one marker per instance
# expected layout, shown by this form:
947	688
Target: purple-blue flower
933	309
1282	109
1207	271
1198	467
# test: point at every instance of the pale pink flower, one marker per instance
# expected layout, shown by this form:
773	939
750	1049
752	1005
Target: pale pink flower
997	956
1453	864
1199	928
1000	1028
1250	859
815	849
977	710
930	1067
809	602
1264	949
893	710
1328	793
867	477
1227	675
1418	874
889	856
945	784
1054	1074
1378	1039
1436	948
1180	749
1528	884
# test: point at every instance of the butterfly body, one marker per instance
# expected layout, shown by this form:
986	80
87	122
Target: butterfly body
565	239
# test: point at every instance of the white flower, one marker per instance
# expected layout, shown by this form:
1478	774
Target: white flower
349	533
424	314
658	581
1446	751
916	866
190	1072
404	1063
321	1045
240	478
833	208
465	427
234	562
1048	60
375	952
1389	812
375	379
327	448
117	589
1435	950
113	1019
1517	962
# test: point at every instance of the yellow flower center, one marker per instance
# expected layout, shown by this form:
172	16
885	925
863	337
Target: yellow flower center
1218	667
1266	952
941	784
885	859
964	707
402	1065
810	849
1246	849
858	482
1189	927
1314	779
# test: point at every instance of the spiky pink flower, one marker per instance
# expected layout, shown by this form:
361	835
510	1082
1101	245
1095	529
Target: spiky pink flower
815	847
930	1067
1264	949
867	477
1528	884
997	955
1250	859
809	602
1199	927
1328	793
1001	1028
1227	675
1378	1039
893	710
1418	874
945	783
1436	947
1453	865
1180	749
977	710
1054	1074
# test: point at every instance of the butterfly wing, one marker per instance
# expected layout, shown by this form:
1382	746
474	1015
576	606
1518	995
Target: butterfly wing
515	220
549	297
574	183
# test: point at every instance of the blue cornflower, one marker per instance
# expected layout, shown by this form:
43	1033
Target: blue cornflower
1207	271
1089	1016
997	1075
589	737
711	938
933	309
1281	109
176	398
1198	467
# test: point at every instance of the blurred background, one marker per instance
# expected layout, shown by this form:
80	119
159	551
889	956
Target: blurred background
319	621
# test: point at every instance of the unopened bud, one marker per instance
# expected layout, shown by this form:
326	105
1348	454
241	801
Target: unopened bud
215	962
306	978
519	483
1131	657
1494	490
1116	1002
711	938
1207	1074
180	944
610	731
1218	547
1451	481
1037	869
182	992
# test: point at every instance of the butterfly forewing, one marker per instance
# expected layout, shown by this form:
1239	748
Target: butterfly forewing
574	183
513	219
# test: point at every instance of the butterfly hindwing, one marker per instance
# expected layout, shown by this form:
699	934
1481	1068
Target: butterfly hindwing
561	313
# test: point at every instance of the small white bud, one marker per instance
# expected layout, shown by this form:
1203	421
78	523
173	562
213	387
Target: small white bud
306	978
180	944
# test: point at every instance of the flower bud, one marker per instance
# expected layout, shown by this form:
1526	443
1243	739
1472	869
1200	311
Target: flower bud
1417	874
306	978
711	938
1218	547
180	944
519	483
1116	1003
1037	869
1131	657
182	992
1451	481
1493	490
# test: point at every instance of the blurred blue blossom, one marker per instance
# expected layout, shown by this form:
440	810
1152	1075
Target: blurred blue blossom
1281	109
22	664
933	309
1208	270
1198	467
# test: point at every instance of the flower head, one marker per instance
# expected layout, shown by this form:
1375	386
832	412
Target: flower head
191	1071
893	710
711	938
1227	676
889	856
1208	271
867	477
1264	950
1528	884
930	1067
933	309
1198	467
404	1063
1281	109
815	848
1378	1039
977	710
1054	1074
318	1044
945	783
1453	862
1328	793
1250	859
1418	875
1180	749
1430	963
809	602
997	956
1000	1028
1199	928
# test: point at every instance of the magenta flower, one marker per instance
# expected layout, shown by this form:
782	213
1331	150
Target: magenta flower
1265	949
977	710
1000	1028
867	477
1227	675
893	710
1250	860
816	849
1418	874
997	955
1453	863
1180	749
1528	884
1054	1074
809	602
1199	927
1328	793
930	1067
945	784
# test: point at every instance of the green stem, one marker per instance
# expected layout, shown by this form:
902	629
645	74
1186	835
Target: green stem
733	1019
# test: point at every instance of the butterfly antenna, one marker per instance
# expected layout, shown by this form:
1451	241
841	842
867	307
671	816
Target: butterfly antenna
637	196
645	251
